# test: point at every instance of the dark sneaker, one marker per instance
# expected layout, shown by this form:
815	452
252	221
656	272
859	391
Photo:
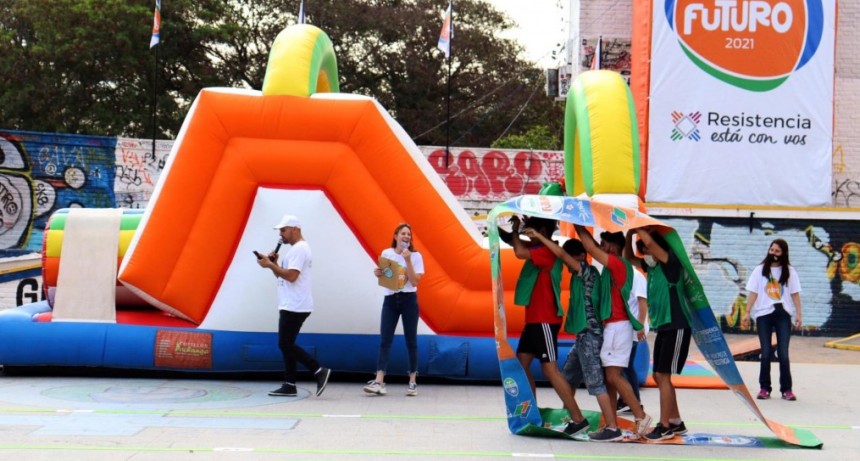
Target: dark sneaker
286	390
660	433
622	407
574	428
322	375
763	394
788	395
678	429
606	435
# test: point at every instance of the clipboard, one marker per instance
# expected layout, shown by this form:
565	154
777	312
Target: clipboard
393	274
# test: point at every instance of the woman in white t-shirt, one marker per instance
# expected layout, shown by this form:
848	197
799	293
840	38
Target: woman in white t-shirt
399	303
773	298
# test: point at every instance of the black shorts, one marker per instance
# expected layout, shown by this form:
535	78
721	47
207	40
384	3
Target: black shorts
540	340
670	350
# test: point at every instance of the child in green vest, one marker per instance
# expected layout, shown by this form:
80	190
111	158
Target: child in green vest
618	325
583	361
669	319
538	289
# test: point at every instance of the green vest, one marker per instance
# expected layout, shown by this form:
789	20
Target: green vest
526	283
659	304
577	321
606	282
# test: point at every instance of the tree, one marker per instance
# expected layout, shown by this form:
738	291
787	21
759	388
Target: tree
536	138
84	66
93	74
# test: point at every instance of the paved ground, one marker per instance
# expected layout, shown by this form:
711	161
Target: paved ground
92	418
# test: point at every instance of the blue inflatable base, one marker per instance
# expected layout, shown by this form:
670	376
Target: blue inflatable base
26	343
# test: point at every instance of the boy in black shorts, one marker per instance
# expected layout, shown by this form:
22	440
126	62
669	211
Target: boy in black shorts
670	320
538	288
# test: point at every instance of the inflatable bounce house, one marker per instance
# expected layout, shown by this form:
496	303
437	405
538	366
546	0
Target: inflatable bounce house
177	287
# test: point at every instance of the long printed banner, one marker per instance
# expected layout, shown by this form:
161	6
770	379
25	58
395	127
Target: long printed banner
523	414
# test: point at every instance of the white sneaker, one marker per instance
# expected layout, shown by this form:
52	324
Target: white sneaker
412	390
642	426
373	387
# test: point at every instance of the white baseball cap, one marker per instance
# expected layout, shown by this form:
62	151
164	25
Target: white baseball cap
288	221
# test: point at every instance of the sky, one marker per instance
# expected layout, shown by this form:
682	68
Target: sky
542	27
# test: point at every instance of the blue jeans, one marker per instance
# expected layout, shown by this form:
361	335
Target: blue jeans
394	306
780	322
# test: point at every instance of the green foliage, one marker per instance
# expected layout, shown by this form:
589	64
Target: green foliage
537	138
85	66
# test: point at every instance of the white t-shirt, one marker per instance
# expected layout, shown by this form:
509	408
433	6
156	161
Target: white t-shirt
417	265
771	292
639	289
296	296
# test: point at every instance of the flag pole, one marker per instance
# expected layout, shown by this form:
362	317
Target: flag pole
445	38
448	115
450	26
154	102
153	42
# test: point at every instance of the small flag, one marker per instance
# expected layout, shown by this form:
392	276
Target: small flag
302	12
598	50
156	25
447	33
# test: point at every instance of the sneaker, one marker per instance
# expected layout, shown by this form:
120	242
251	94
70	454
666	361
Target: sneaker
678	429
286	390
322	375
606	435
660	433
373	387
574	428
641	425
412	390
788	395
622	407
763	394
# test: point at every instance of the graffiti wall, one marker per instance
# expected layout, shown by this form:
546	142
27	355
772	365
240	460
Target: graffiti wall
479	178
44	172
137	168
41	173
826	254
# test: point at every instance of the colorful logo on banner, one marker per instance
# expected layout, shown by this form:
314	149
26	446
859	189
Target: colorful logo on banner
686	126
751	44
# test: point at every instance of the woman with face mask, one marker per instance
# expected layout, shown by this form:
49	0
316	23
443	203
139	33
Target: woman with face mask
773	298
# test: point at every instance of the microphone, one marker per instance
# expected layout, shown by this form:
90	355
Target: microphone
278	246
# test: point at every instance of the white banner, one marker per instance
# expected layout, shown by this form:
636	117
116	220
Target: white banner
741	108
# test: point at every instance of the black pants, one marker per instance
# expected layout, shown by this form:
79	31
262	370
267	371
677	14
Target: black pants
289	325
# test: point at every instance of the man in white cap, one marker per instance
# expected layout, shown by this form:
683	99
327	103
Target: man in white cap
295	302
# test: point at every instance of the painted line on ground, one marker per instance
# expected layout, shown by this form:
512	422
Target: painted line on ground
300	451
223	413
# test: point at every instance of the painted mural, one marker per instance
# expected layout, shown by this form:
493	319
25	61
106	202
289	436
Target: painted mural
825	253
493	175
41	173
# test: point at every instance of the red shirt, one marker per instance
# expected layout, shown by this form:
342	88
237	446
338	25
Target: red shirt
542	307
618	270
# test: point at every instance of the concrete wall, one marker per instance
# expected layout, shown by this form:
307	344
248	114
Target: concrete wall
846	153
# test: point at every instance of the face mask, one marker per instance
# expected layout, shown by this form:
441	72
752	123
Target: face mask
649	260
776	258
